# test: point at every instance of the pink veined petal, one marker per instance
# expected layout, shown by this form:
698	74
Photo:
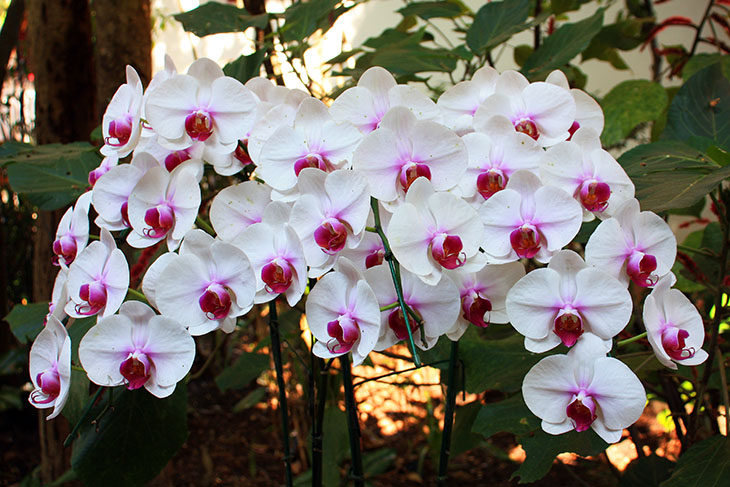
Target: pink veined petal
558	78
310	119
197	243
171	348
377	159
652	318
442	150
234	270
179	288
456	217
421	106
567	263
169	104
326	301
619	393
350	196
205	71
116	280
379	82
368	316
604	303
278	155
533	303
409	240
557	215
562	166
338	142
653	236
611	172
500	215
438	304
233	108
103	349
511	83
356	106
547	388
608	435
607	249
588	112
495	105
551	107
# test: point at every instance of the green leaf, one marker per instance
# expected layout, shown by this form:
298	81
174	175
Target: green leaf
246	67
252	398
303	19
462	438
627	105
132	441
495	23
698	62
78	396
378	462
705	464
247	368
26	320
647	472
719	155
510	415
671	174
218	18
542	448
701	108
334	445
408	59
562	46
52	175
560	6
521	53
432	10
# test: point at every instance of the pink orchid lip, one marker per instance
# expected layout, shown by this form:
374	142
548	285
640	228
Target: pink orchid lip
94	295
374	258
568	326
125	214
640	266
199	125
527	127
573	129
344	332
215	302
277	275
136	369
95	174
316	161
491	181
120	131
411	171
581	411
241	153
447	251
525	241
160	219
331	236
397	323
674	343
175	158
64	249
475	307
594	195
49	386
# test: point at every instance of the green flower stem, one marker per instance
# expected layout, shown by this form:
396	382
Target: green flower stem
353	425
279	367
396	279
685	248
390	306
448	416
631	340
136	294
318	423
85	414
204	225
371	229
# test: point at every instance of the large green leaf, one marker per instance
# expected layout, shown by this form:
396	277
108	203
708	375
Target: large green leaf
496	22
26	320
627	105
433	10
542	448
52	175
562	46
410	59
701	108
246	67
462	437
647	472
248	367
217	18
705	464
302	19
700	61
671	174
510	415
133	440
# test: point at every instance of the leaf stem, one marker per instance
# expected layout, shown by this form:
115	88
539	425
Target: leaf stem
136	294
204	225
448	416
353	425
283	409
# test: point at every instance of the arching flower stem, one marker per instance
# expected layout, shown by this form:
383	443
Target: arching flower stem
631	340
353	425
318	420
448	416
84	414
283	409
137	295
396	279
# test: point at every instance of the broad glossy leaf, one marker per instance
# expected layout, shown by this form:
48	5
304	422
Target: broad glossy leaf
412	59
671	174
432	10
135	439
701	108
26	320
496	22
246	67
51	176
627	105
562	46
218	18
560	6
510	415
542	448
647	471
700	61
705	464
247	368
303	19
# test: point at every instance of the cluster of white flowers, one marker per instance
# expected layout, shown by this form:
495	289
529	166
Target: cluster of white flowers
498	171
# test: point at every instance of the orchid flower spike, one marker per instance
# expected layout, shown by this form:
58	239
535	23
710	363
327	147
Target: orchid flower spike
50	367
633	245
674	326
98	279
137	348
343	314
527	219
564	301
73	231
584	389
